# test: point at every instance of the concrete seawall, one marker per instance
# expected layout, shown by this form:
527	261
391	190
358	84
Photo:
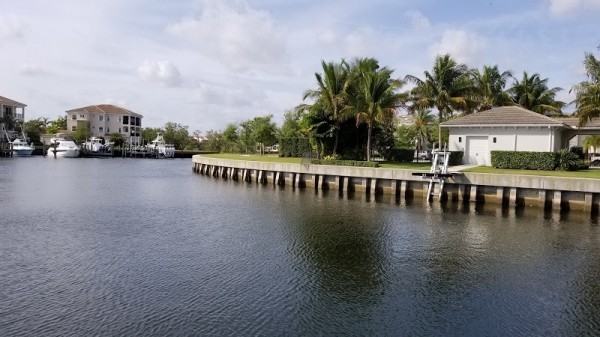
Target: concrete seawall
556	193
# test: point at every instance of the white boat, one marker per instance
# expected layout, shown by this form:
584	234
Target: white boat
61	147
95	145
161	148
20	148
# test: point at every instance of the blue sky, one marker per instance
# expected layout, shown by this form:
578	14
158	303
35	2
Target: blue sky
206	63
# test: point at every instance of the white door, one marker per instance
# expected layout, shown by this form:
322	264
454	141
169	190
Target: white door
477	150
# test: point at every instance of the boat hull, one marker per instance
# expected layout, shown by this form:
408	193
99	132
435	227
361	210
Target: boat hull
22	152
63	153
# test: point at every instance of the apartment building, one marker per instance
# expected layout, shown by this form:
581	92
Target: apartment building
11	114
105	119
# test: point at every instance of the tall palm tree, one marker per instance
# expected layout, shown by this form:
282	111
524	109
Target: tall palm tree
374	99
421	121
331	94
587	100
489	87
447	88
532	93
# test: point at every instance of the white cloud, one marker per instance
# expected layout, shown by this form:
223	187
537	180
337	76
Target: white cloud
32	70
564	7
163	72
418	20
464	46
242	38
11	27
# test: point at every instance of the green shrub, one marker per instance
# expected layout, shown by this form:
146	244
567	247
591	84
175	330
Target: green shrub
456	158
525	160
338	162
399	155
293	147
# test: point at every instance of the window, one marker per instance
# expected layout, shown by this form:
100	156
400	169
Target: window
119	130
81	116
107	129
460	139
100	129
125	129
107	118
73	128
494	139
74	117
101	118
125	120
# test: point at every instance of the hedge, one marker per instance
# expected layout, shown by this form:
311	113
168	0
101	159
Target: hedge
525	160
338	162
456	158
399	155
293	147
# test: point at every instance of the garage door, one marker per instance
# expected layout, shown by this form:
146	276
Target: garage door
477	150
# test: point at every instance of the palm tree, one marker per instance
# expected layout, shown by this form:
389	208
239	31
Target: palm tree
587	100
489	87
331	96
446	88
421	121
532	93
375	98
591	142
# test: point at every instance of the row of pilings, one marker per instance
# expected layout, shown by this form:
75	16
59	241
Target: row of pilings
549	193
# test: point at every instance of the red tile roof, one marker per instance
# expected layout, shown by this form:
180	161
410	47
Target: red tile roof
105	108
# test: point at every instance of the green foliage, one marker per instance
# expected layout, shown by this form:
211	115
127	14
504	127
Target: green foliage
456	158
399	155
117	139
293	147
176	134
405	136
149	134
338	162
567	161
578	151
80	135
525	160
291	124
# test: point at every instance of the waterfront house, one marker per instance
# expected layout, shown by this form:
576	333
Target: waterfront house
105	119
511	128
10	117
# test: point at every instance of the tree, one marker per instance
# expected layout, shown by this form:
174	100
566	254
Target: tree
375	98
421	122
149	134
230	138
117	139
587	101
291	124
532	93
57	125
489	87
176	134
331	95
264	131
80	135
591	142
213	142
447	88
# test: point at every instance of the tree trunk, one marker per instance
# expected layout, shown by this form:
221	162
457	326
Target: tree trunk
369	143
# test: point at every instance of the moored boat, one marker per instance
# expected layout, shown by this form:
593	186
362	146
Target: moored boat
21	148
61	147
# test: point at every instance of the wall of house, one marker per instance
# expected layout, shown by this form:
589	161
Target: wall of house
110	123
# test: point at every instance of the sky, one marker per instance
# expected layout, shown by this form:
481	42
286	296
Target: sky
207	63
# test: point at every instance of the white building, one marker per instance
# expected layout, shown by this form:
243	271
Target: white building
105	119
511	128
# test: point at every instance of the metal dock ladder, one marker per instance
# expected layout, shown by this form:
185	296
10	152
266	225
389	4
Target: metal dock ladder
438	172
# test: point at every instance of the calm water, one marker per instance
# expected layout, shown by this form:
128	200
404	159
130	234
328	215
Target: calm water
126	247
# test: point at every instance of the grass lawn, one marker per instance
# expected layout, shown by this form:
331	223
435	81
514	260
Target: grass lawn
588	174
276	159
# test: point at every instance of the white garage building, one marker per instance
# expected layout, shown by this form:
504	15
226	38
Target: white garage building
510	128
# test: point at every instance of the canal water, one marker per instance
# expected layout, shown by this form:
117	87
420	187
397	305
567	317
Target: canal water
140	247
